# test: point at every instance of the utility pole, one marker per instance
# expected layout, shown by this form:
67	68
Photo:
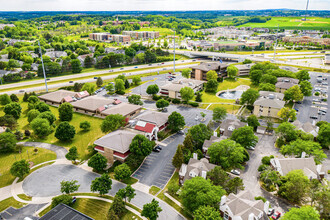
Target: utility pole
43	67
275	44
174	54
306	10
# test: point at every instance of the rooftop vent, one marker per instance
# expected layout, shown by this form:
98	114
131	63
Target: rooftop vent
271	96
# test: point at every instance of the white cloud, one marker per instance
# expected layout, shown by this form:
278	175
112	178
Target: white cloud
162	5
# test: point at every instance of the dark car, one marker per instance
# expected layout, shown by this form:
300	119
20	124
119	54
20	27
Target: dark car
299	102
180	132
48	79
297	110
156	150
277	215
95	77
313	117
70	81
159	147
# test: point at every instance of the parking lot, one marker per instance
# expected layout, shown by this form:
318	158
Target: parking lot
311	105
26	211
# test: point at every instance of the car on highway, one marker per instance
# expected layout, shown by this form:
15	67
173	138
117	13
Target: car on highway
149	64
276	215
163	63
136	67
95	77
70	81
235	172
22	90
164	68
121	68
47	79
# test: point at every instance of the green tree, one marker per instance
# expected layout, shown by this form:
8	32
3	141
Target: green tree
65	131
227	153
13	98
198	97
69	187
88	62
197	192
162	103
99	82
136	80
135	99
303	75
20	168
126	193
112	123
7	142
287	131
89	87
118	206
293	94
245	136
306	88
41	127
122	172
141	145
101	184
186	73
255	76
33	99
299	146
219	114
152	89
287	113
253	122
249	97
233	185
177	160
199	133
151	210
65	112
294	186
14	109
187	93
5	99
130	52
211	75
42	107
110	87
85	125
270	178
218	176
323	136
211	85
47	115
305	212
267	87
176	121
232	71
97	162
64	199
322	203
207	213
32	114
76	66
267	78
72	154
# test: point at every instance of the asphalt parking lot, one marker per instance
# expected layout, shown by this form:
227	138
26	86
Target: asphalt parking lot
157	169
26	211
309	107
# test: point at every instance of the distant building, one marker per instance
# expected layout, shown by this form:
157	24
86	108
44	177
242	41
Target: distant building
56	54
307	39
285	83
144	35
172	89
243	206
194	168
244	69
2	26
199	72
268	104
327	59
125	39
261	30
117	22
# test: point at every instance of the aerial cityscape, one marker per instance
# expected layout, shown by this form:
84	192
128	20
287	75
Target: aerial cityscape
164	110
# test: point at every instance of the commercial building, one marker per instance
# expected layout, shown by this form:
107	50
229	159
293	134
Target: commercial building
92	105
199	72
125	39
172	89
124	109
244	69
285	83
143	35
306	127
60	96
307	39
268	104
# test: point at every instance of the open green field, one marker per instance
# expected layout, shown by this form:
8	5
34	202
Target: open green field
315	23
232	109
7	159
4	204
162	31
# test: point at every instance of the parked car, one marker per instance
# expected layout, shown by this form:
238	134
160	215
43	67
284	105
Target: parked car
323	110
325	83
156	150
250	148
316	100
321	113
299	102
276	215
159	147
180	132
297	110
236	172
136	67
313	117
270	211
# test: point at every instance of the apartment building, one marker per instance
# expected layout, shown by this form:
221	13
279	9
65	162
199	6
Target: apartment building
307	39
143	35
199	72
268	104
172	89
285	83
125	39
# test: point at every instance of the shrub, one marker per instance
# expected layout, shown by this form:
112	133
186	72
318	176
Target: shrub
65	199
194	104
120	92
262	167
260	198
85	125
317	94
156	97
176	101
173	188
265	160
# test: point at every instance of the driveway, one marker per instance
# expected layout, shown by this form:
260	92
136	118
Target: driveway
45	182
60	151
157	169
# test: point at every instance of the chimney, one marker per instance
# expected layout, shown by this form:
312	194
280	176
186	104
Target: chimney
223	200
204	174
183	170
195	156
303	154
251	216
266	206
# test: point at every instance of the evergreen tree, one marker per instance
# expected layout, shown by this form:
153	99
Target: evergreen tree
178	157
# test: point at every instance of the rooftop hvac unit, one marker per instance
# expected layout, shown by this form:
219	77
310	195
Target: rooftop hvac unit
271	96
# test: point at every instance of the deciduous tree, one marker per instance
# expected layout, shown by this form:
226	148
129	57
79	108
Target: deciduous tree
293	94
122	172
219	114
162	103
101	184
287	113
7	142
306	88
187	93
207	213
152	89
89	87
232	71
249	97
69	187
245	136
72	154
65	131
85	125
151	210
41	127
177	160
20	168
135	99
141	145
304	212
112	122
97	162
65	112
186	73
253	122
13	109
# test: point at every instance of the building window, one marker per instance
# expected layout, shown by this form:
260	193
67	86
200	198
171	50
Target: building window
226	216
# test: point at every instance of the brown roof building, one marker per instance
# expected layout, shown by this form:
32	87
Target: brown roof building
199	72
60	96
91	105
124	109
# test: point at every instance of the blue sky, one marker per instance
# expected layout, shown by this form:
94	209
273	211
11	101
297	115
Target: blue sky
163	5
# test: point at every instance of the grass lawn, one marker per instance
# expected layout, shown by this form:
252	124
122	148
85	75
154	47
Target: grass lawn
154	190
7	159
81	140
4	204
25	197
232	109
162	31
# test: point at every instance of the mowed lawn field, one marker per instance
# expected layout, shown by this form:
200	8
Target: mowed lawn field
81	140
293	23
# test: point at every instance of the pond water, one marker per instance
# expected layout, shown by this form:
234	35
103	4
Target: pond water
230	94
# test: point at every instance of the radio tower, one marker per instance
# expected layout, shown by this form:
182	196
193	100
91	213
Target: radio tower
306	10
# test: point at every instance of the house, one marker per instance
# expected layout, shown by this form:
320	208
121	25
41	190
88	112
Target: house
261	30
306	127
195	168
34	67
268	104
285	83
82	58
307	165
229	125
115	145
150	123
62	211
243	206
208	143
92	105
172	89
58	97
199	72
122	108
56	54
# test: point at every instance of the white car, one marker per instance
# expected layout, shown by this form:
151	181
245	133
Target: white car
236	172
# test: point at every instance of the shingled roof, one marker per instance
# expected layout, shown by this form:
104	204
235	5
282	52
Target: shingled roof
57	96
157	118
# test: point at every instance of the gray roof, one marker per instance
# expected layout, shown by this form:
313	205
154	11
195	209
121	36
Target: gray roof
229	125
267	94
197	166
118	140
213	139
286	82
244	66
64	212
179	84
56	96
157	118
273	103
122	108
92	103
306	127
209	66
173	87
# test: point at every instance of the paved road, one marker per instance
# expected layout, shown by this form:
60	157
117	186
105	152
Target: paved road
19	214
265	147
157	169
48	179
60	151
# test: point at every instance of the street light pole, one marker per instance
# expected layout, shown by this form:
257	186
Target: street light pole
174	54
275	44
43	67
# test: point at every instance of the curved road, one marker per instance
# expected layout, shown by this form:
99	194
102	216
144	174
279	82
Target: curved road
60	151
